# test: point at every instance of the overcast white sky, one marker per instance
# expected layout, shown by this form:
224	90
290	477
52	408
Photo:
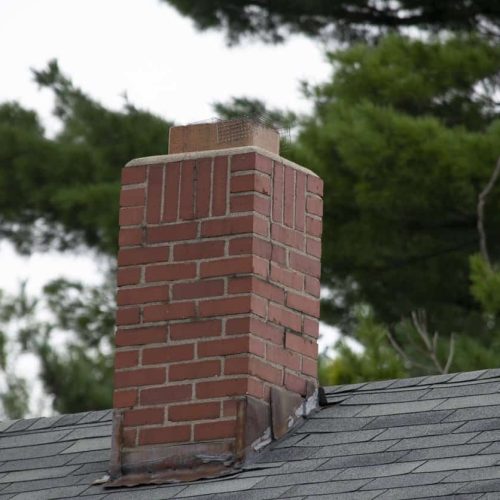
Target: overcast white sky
143	48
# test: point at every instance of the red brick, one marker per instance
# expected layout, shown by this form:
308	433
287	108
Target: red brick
305	264
143	416
196	411
171	191
128	276
309	367
315	185
278	186
250	245
301	345
266	330
295	384
222	347
187	195
220	185
285	317
199	250
215	430
140	377
259	306
300	201
126	359
314	226
130	296
278	254
130	437
198	289
287	236
289	205
167	354
132	197
163	435
302	303
222	307
128	316
200	369
169	394
283	357
195	329
229	408
140	336
155	190
133	175
172	232
249	284
311	327
230	225
203	186
170	272
314	205
286	277
131	216
251	161
237	365
312	286
129	236
221	388
223	267
313	247
250	203
265	371
125	399
164	312
251	182
256	389
134	256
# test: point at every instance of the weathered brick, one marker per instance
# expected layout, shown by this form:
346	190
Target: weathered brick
223	267
167	394
295	384
255	181
301	345
278	187
234	225
313	247
311	327
195	411
178	310
314	205
154	196
247	284
314	227
220	186
172	232
186	205
170	272
132	197
289	204
199	250
309	367
196	329
281	356
171	191
140	336
225	306
302	303
285	317
203	172
287	236
143	416
221	388
126	359
222	347
198	289
129	236
251	161
305	264
133	175
127	316
134	256
168	354
128	276
215	430
162	435
315	185
229	408
312	286
139	377
194	370
125	399
291	279
250	203
300	201
143	295
131	216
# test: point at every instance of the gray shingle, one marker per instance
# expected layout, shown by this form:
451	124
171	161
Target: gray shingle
339	411
31	439
352	449
421	418
410	431
462	390
405	480
470	401
146	493
96	416
465	414
492	485
298	478
325	488
454	463
478	474
487	437
52	493
92	431
287	468
373	471
102	443
267	494
375	398
487	424
432	441
90	456
216	487
45	423
286	454
396	408
467	376
431	491
358	495
364	459
334	438
31	475
21	425
340	424
444	452
27	452
35	463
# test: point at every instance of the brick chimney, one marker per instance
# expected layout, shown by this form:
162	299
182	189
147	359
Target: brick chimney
218	303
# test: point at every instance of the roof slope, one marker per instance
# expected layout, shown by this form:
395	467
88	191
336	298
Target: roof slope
430	437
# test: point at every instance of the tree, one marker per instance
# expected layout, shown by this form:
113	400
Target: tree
406	136
62	193
273	21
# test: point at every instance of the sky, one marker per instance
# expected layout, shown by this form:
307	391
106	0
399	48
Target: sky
144	49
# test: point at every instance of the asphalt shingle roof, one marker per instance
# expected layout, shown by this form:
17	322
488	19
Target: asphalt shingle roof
429	437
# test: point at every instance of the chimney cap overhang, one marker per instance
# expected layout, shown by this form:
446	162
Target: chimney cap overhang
223	134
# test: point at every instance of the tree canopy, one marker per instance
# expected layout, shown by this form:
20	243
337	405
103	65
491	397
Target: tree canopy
348	20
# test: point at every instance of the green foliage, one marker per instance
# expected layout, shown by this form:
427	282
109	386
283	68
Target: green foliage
64	191
485	287
345	19
378	360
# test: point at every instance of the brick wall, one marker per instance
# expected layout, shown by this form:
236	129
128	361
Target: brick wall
218	291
